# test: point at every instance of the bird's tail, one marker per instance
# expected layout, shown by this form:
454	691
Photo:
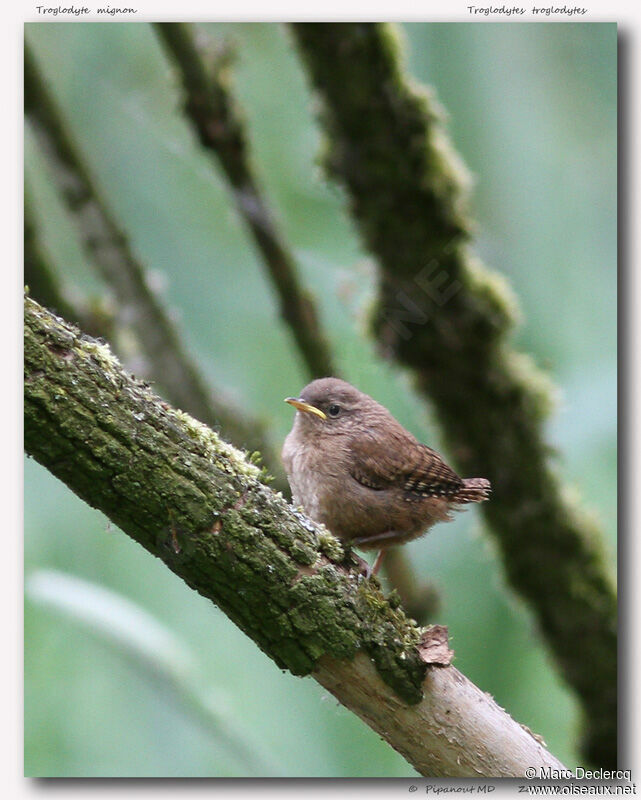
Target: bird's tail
474	490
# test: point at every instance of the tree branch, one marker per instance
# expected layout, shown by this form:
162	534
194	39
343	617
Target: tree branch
168	361
446	317
211	108
196	503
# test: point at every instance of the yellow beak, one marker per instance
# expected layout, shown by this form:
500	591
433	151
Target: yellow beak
302	406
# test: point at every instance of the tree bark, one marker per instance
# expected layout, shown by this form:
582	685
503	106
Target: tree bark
198	504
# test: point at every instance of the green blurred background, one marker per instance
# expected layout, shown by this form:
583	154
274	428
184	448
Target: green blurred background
532	111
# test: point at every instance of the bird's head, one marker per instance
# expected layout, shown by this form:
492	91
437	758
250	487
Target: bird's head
332	406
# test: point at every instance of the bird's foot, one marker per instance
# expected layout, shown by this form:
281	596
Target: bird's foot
367	570
364	568
378	560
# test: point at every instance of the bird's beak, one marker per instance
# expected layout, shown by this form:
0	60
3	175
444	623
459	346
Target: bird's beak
302	406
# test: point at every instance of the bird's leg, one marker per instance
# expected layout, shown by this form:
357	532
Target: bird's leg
378	560
368	571
385	540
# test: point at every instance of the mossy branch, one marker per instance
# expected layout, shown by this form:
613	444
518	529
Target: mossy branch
444	316
199	505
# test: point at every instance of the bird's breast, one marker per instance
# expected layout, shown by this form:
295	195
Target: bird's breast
310	476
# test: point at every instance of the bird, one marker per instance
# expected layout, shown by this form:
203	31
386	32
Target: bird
353	467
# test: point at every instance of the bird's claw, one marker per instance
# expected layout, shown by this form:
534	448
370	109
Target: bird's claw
364	568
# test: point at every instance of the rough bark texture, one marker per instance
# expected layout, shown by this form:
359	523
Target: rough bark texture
444	316
455	731
196	503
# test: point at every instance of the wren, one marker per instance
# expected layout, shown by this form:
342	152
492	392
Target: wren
353	467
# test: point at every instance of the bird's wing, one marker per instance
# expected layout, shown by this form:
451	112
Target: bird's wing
404	464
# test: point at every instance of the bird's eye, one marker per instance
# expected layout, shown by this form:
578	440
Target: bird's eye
334	410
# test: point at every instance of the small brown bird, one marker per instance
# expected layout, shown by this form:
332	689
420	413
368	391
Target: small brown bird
353	467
